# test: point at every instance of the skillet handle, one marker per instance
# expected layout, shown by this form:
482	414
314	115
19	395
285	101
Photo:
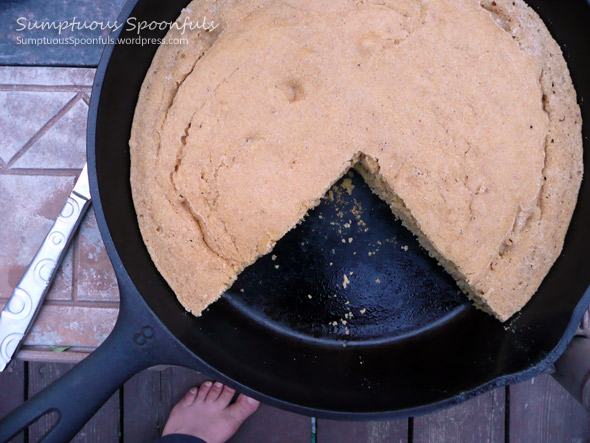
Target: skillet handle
572	370
131	347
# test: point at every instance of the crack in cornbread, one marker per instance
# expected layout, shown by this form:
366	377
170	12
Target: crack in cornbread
460	114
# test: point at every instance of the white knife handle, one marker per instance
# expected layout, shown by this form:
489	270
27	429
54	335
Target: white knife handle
24	303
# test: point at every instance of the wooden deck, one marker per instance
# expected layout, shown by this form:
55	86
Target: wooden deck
535	411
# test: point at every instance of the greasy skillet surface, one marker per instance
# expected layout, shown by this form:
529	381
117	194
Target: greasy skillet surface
418	342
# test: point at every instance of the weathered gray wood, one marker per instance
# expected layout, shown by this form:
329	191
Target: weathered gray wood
150	396
272	425
12	391
572	370
479	420
369	432
103	427
143	418
542	411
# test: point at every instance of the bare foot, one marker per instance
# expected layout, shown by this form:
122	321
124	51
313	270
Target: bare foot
205	412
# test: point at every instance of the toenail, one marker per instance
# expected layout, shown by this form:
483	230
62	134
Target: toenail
207	383
251	401
193	390
218	385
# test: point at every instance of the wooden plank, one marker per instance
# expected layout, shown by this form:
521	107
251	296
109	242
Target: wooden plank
12	391
543	409
143	417
40	376
369	432
480	419
103	427
272	425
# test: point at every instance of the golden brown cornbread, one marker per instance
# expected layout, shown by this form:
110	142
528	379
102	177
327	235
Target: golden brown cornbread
461	115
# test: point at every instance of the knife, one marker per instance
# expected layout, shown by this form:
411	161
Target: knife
23	305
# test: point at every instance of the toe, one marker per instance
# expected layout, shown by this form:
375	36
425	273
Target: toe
204	390
189	397
214	392
243	408
225	397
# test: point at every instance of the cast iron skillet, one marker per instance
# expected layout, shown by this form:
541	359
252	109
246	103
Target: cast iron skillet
418	347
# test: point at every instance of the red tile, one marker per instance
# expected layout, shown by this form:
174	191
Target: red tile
96	279
80	326
273	425
41	135
72	326
24	114
28	207
63	145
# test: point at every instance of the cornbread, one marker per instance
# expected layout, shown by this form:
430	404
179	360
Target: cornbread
460	114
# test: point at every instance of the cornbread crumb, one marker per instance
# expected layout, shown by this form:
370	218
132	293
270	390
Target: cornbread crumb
347	185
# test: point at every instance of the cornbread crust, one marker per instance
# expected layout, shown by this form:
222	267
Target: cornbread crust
206	211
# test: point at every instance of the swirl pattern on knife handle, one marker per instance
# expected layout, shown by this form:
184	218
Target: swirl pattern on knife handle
24	302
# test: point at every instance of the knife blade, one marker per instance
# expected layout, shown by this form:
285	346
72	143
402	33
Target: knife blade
22	307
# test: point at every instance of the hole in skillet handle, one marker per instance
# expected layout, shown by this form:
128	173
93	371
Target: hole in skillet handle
137	342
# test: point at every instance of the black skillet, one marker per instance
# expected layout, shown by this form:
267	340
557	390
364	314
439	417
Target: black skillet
419	345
